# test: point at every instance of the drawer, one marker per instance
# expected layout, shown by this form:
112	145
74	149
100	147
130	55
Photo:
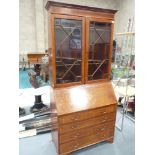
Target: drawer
31	60
86	123
79	116
86	132
85	141
39	60
101	134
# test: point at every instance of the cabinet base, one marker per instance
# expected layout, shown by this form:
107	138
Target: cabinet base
111	140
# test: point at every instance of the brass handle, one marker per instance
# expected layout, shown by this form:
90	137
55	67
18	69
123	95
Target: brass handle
75	136
102	129
104	120
73	127
75	146
75	118
103	112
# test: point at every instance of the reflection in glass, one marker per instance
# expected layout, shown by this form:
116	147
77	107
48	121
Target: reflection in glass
98	54
68	50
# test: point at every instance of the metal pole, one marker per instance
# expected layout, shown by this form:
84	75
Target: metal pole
125	105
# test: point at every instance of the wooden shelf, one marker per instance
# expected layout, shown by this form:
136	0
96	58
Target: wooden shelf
67	27
126	33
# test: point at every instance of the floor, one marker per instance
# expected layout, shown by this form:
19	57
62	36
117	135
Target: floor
124	142
24	80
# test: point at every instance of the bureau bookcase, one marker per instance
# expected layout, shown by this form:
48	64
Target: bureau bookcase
80	55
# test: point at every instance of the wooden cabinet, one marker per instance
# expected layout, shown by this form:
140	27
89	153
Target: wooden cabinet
86	116
80	50
80	43
34	58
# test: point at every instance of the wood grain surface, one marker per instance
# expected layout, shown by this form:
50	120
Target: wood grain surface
84	97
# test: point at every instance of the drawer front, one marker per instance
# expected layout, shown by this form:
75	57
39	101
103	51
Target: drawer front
79	116
86	123
85	141
75	135
39	60
33	60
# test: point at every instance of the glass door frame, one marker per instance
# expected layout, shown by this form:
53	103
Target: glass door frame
53	49
88	20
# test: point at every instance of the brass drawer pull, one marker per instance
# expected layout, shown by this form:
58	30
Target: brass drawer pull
103	120
75	136
102	129
74	118
75	146
103	112
73	127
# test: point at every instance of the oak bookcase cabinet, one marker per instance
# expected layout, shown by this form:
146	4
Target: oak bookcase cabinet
80	50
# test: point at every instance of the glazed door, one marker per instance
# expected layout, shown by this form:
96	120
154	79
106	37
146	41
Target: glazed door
68	44
98	49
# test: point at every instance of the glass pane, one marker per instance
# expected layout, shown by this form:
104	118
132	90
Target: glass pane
98	54
68	50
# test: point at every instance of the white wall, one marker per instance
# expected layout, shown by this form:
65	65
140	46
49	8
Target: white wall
33	33
27	26
107	4
126	10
